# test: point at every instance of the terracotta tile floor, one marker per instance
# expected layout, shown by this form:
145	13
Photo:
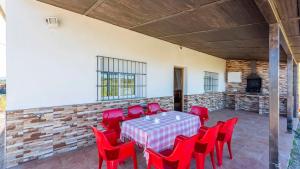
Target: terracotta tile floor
250	147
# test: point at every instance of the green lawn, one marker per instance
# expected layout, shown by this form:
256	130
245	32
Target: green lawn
294	162
2	102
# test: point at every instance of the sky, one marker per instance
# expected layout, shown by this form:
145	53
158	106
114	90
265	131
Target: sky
2	48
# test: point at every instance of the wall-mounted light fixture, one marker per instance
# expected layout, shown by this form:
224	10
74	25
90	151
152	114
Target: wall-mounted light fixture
52	22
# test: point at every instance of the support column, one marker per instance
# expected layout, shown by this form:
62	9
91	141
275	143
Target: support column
296	90
290	97
274	60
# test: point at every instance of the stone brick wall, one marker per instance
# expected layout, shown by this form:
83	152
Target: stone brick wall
213	101
264	105
236	97
247	102
42	132
230	101
261	69
254	103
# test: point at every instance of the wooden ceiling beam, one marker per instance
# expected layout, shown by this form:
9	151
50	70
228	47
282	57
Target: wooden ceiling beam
179	13
211	30
237	40
163	18
269	10
291	19
94	6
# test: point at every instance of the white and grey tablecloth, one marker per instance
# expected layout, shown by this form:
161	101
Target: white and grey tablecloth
160	136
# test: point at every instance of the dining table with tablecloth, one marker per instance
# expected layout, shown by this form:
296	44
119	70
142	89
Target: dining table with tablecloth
159	131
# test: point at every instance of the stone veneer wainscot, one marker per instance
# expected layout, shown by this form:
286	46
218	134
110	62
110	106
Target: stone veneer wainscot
213	101
42	132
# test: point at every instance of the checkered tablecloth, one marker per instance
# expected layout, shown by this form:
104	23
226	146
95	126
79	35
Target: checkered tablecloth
162	135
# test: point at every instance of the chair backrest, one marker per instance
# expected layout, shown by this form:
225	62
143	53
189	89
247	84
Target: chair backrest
112	115
209	138
200	111
183	151
135	111
102	143
227	128
153	107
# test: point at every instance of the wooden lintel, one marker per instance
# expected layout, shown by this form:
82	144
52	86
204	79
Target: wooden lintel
290	98
94	6
180	13
211	30
274	60
269	11
296	89
291	19
285	45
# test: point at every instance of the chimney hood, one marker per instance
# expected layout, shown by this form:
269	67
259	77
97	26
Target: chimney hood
254	81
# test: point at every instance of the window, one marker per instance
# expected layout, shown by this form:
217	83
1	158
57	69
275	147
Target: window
120	79
211	82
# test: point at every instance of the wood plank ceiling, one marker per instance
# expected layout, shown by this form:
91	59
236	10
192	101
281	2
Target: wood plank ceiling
289	13
230	29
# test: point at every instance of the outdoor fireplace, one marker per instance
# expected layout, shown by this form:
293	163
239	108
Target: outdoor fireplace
253	80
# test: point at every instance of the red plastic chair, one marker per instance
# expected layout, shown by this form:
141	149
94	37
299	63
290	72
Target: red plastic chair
112	152
177	158
135	112
154	108
224	136
202	112
205	145
111	120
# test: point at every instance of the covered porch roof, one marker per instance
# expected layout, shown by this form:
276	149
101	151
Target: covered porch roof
229	29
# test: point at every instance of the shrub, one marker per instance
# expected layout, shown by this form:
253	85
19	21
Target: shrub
2	102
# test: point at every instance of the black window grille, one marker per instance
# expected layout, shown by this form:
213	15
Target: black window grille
211	81
120	79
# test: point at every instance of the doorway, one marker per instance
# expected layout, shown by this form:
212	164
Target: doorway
178	88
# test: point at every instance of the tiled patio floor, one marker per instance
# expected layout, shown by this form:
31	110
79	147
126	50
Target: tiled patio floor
250	147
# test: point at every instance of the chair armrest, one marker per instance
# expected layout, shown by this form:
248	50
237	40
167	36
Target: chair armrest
155	158
200	142
153	153
178	139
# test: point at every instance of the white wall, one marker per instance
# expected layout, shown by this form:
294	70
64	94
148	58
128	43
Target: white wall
2	42
47	67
